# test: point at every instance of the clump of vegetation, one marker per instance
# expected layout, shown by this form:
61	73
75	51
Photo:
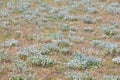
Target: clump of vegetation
20	66
28	51
18	5
65	50
63	43
111	77
88	29
81	61
5	56
78	76
10	43
4	12
70	18
28	76
114	8
58	16
110	31
45	50
65	27
77	39
49	48
116	60
88	19
43	61
58	35
107	47
92	10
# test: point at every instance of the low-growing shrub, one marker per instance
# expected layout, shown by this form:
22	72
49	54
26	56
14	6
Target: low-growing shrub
43	61
81	61
77	39
116	60
10	43
88	29
65	50
63	43
28	51
58	35
4	12
51	46
114	8
111	77
65	27
28	76
20	66
5	56
107	47
78	76
88	19
92	10
110	31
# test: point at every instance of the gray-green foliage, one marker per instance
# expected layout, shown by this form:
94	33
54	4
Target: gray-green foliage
92	9
65	27
4	55
81	61
110	31
42	60
63	43
88	19
18	5
48	48
10	43
78	76
116	60
58	35
88	29
107	47
28	76
4	12
20	66
114	8
65	50
111	77
28	51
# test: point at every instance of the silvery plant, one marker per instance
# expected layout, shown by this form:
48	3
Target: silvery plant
110	30
5	25
58	1
111	77
4	55
38	0
22	76
88	29
114	8
42	60
20	66
10	43
4	12
92	9
88	19
107	47
72	75
116	60
28	51
18	5
81	61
